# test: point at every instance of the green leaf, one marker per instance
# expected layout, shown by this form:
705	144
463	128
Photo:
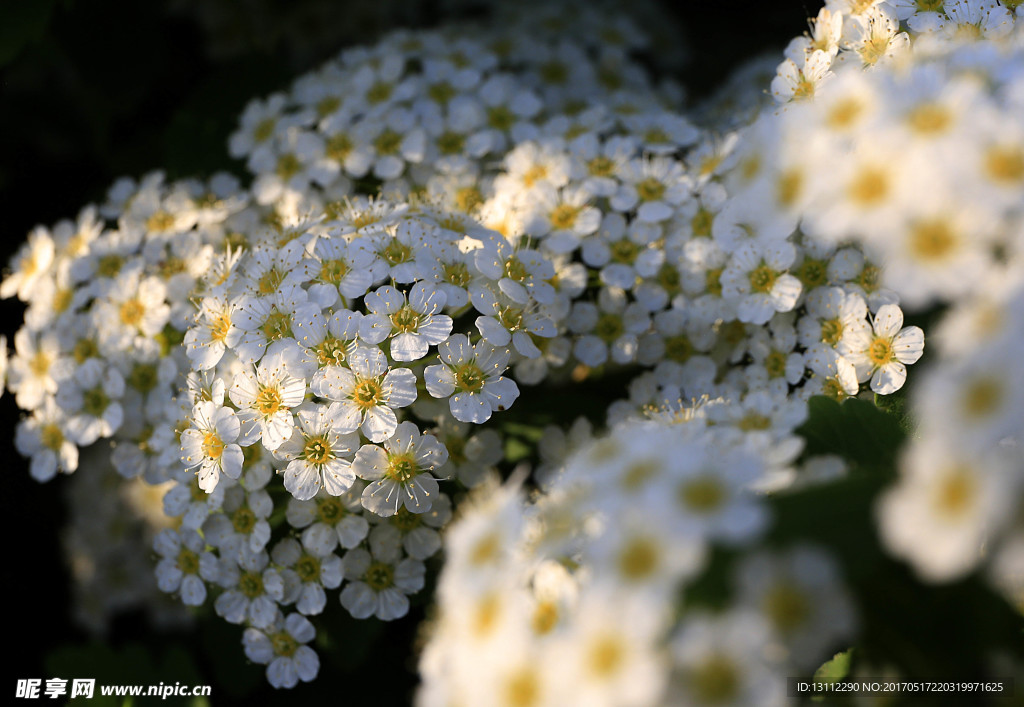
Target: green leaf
856	430
835	669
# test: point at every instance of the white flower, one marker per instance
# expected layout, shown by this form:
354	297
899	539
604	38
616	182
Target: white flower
366	393
612	325
794	81
756	280
832	315
184	565
307	574
834	376
506	321
32	373
186	501
265	320
945	507
725	659
213	332
329	520
43	437
400	471
471	375
800	594
414	325
378	586
282	647
328	339
90	400
243	522
31	263
415	533
211	444
253	590
882	352
314	454
522	274
265	398
344	268
655	187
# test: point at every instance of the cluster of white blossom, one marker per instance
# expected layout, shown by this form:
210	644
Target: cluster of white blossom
920	160
432	111
445	215
98	357
575	598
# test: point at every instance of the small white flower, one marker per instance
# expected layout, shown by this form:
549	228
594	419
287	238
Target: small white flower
414	325
471	375
265	398
399	473
366	393
253	590
881	353
90	399
378	586
314	453
282	648
211	444
184	565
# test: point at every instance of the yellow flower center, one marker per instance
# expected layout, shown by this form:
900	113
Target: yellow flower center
402	468
956	494
880	351
379	576
405	320
715	681
1005	164
317	450
703	494
844	113
51	436
789	187
308	568
786	607
638	559
284	644
339	146
929	119
606	656
132	312
268	401
367	393
869	187
650	189
534	174
251	584
39	364
469	377
188	561
762	279
159	222
388	142
564	216
219	327
932	239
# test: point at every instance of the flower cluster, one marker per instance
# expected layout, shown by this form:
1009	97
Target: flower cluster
430	111
575	598
444	216
920	160
98	356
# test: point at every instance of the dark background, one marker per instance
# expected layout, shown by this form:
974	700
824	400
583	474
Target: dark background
90	91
